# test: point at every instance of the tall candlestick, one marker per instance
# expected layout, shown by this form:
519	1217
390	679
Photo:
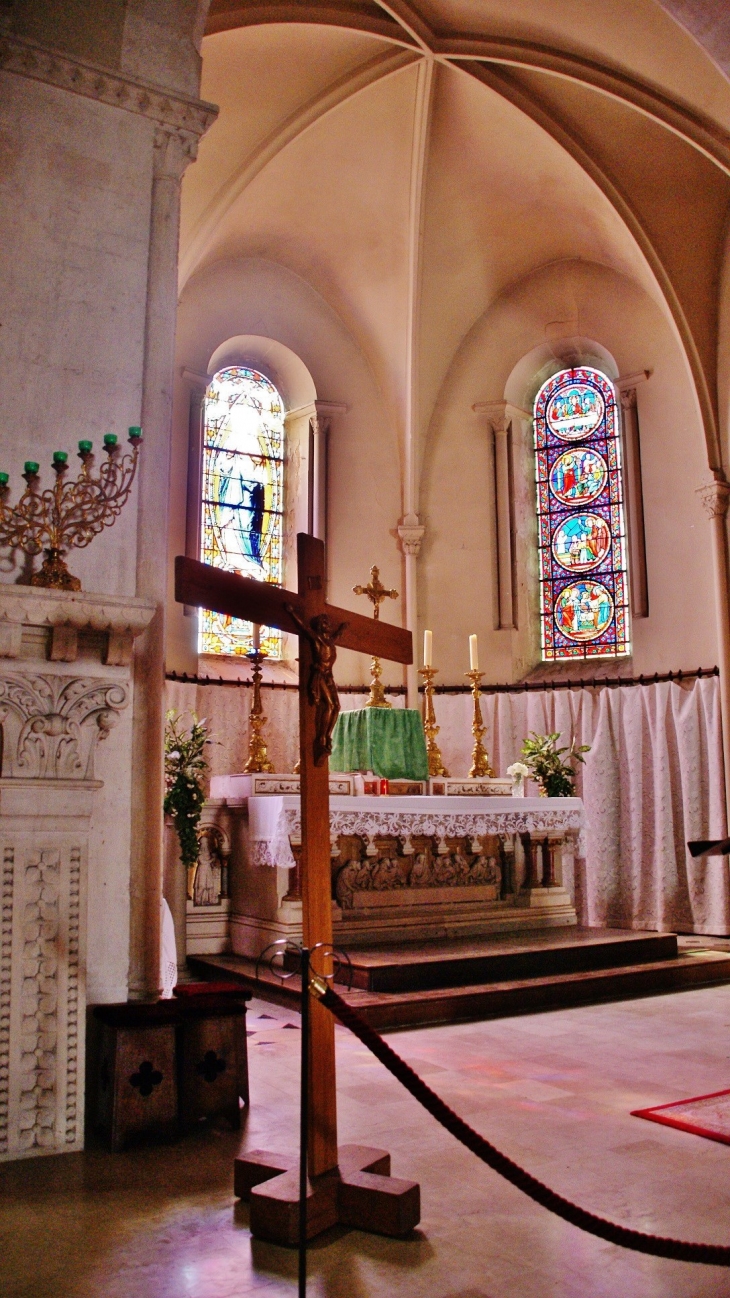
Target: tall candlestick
480	767
473	654
427	648
435	761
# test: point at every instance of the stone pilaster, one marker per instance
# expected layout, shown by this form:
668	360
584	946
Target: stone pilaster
411	533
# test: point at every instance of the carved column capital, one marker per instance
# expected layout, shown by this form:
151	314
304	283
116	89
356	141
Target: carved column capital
411	534
173	152
715	497
627	396
500	414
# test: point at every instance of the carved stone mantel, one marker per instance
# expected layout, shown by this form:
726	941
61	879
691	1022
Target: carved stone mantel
52	720
27	612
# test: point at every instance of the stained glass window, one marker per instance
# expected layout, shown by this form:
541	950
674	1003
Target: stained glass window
243	486
581	532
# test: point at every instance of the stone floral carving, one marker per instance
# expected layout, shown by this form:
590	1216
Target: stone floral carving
52	724
39	1001
425	869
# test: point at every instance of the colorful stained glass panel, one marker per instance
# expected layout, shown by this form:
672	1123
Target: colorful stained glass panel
583	616
243	497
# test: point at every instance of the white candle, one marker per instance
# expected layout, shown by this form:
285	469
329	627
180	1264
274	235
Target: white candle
427	648
256	637
473	654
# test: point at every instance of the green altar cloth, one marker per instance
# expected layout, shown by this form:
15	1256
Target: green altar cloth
387	741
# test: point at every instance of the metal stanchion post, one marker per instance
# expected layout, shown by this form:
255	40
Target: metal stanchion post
304	1126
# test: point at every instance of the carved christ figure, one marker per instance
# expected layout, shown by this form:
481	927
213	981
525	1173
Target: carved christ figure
321	686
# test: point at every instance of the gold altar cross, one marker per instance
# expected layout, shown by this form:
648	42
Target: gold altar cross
320	627
376	592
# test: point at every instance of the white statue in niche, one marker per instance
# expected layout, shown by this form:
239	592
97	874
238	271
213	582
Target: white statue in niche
208	876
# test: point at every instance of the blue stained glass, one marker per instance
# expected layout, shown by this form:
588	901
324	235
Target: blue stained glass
243	497
581	529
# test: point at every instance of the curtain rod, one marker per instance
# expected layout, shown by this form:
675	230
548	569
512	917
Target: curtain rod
523	687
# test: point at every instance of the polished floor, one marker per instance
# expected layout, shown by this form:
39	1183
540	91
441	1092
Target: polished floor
553	1090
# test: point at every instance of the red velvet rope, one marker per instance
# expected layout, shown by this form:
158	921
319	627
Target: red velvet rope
657	1245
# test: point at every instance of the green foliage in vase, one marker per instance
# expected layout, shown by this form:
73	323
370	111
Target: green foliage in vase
545	760
186	770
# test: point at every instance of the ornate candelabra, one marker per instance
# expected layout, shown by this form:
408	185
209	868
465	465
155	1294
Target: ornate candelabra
258	758
435	760
480	767
376	593
68	514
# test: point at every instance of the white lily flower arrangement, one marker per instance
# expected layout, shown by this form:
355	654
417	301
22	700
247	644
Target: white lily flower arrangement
518	773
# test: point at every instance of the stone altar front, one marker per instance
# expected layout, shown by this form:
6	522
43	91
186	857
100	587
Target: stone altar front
407	868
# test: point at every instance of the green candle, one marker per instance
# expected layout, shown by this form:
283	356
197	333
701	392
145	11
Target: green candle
30	466
60	457
110	439
135	434
85	447
4	479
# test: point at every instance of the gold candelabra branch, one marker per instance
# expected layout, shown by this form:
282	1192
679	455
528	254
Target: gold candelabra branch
67	515
480	767
435	760
258	758
376	593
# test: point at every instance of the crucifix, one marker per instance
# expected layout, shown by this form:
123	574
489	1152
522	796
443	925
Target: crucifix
350	1184
376	593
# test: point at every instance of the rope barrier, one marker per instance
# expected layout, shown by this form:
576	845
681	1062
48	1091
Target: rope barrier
656	1245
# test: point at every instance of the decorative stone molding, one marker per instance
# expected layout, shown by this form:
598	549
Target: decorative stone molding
66	613
411	535
52	724
715	497
28	59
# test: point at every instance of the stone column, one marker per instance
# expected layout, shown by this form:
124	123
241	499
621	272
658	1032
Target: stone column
411	533
715	501
636	540
500	415
321	422
173	151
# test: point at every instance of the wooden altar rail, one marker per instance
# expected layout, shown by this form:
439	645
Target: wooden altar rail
519	687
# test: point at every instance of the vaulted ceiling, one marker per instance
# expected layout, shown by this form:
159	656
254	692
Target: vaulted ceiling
413	162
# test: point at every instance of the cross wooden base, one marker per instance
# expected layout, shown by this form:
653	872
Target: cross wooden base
360	1192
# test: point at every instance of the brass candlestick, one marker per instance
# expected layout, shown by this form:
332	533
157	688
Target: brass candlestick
376	593
480	767
258	758
68	514
435	760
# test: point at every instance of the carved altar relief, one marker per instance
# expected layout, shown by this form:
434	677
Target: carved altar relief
464	863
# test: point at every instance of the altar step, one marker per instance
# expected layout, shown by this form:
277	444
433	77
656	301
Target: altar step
450	981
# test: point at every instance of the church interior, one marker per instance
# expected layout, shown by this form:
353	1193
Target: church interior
365	369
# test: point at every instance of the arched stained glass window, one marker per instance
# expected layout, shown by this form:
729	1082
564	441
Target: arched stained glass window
581	532
243	497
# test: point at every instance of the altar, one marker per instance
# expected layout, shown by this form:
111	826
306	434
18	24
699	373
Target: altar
404	868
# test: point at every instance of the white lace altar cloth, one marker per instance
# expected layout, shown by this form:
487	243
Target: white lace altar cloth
273	821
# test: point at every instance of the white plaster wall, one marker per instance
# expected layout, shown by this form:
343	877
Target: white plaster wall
75	181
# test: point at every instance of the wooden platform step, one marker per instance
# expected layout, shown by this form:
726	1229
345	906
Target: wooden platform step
387	1010
463	962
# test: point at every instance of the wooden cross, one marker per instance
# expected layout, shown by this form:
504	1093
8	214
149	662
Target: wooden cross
320	627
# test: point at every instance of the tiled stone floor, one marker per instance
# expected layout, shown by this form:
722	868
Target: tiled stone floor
553	1090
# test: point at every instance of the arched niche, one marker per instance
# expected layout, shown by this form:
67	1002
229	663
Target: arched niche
287	371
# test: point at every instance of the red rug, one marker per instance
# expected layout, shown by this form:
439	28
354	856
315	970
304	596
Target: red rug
705	1115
